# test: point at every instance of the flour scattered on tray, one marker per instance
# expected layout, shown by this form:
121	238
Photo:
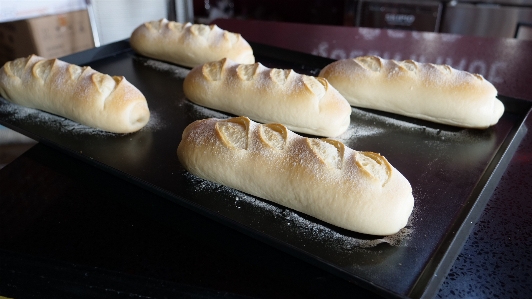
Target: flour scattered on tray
154	124
179	72
393	123
358	113
204	112
305	228
356	131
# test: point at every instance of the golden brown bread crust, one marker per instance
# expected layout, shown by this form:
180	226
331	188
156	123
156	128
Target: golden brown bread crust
358	191
427	91
303	103
78	93
189	44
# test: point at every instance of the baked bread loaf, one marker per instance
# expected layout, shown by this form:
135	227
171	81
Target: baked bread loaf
78	93
189	44
427	91
303	103
358	191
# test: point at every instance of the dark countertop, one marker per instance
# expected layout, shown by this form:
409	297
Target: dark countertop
71	230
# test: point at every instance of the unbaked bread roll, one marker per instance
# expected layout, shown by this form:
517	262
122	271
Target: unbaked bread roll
303	103
189	44
358	191
78	93
427	91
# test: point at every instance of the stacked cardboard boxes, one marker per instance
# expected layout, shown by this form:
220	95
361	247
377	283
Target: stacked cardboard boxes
48	36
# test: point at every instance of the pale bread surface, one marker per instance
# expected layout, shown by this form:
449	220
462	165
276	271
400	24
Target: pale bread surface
97	100
432	92
304	104
189	44
358	191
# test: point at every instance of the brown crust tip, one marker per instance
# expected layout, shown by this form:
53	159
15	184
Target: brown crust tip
371	63
319	148
268	140
379	160
212	71
232	140
246	72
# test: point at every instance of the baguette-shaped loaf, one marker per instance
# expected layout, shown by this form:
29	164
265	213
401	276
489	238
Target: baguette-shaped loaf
304	104
189	44
358	191
78	93
432	92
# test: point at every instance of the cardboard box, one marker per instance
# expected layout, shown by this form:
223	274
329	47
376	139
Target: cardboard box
13	10
48	36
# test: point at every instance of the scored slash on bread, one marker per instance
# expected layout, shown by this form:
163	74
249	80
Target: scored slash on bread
437	93
189	44
303	103
81	94
358	191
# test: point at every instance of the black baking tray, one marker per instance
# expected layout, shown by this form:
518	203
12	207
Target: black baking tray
453	172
